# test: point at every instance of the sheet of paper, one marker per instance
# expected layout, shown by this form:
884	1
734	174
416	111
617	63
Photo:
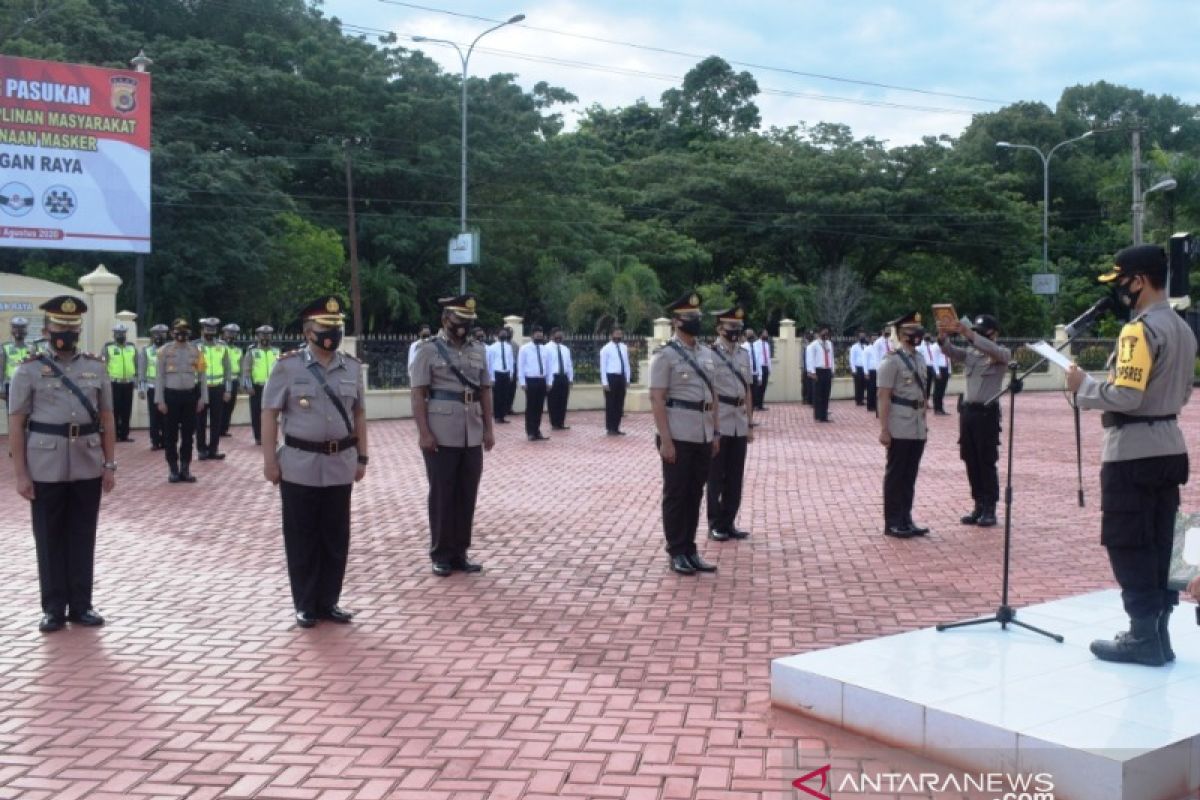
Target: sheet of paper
1047	352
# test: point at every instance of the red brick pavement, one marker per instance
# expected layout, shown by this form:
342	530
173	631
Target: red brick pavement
576	666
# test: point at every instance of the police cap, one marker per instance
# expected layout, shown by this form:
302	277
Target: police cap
985	324
736	315
20	322
910	320
232	327
688	303
1140	259
159	328
120	327
64	310
261	329
463	305
181	323
327	310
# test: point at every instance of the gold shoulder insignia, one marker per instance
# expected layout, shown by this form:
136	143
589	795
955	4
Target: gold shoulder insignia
288	354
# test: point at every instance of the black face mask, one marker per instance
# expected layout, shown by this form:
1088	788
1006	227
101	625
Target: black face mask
328	340
18	336
65	341
915	339
119	338
181	336
538	340
862	340
210	337
263	341
159	340
503	337
617	339
731	336
690	326
424	336
1126	299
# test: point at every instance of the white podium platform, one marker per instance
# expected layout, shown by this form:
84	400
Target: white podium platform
989	700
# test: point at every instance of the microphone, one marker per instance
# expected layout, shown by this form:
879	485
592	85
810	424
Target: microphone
1085	320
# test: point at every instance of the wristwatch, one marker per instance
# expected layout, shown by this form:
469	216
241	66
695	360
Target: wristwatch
363	460
111	466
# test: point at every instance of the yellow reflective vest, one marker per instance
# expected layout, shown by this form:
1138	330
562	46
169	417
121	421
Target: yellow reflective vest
262	361
122	361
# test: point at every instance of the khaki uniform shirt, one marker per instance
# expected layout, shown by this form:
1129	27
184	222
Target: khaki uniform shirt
894	374
309	414
669	370
38	393
180	366
452	422
735	420
985	376
1152	376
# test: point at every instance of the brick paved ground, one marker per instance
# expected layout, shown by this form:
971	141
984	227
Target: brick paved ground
575	666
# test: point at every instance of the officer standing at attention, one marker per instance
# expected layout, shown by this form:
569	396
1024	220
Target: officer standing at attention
532	368
148	381
562	371
1145	456
219	377
735	394
229	334
181	380
858	367
61	437
452	406
320	394
14	352
120	357
501	366
818	361
614	377
871	363
683	398
257	364
902	404
979	418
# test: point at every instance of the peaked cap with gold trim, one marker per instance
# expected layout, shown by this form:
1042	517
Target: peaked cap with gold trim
911	319
463	305
735	314
64	310
688	303
328	310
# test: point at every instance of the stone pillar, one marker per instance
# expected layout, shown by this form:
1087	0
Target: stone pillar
100	293
787	362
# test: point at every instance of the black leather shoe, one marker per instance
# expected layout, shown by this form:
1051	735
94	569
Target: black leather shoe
987	519
735	533
226	435
562	427
683	565
699	564
899	531
88	618
258	442
917	530
718	536
973	517
51	623
442	568
173	476
186	475
502	421
305	619
202	455
338	614
466	565
217	456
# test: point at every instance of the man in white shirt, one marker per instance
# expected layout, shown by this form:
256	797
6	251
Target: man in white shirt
871	366
858	367
819	364
764	365
422	337
501	366
614	377
532	368
749	345
562	375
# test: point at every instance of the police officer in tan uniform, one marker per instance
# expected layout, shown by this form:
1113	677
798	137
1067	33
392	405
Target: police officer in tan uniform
734	383
1145	456
684	401
180	381
902	406
317	396
452	405
61	434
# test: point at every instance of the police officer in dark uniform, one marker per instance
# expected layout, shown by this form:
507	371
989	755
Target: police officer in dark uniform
181	385
452	406
902	406
734	383
61	428
979	416
1145	458
684	401
316	395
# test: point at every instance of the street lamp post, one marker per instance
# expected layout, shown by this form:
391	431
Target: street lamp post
465	59
142	63
1045	188
1139	210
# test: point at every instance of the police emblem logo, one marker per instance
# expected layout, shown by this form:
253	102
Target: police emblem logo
331	305
739	313
694	300
68	306
1128	348
470	304
16	199
917	318
305	402
123	94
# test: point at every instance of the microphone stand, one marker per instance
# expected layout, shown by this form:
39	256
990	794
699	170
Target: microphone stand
1006	615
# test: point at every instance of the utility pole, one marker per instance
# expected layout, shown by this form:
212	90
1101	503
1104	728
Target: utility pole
1137	185
355	289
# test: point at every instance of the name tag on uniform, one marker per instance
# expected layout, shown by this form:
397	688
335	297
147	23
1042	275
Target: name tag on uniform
88	375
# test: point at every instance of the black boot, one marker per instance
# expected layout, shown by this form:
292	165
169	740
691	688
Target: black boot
987	517
185	474
1141	644
973	517
1164	633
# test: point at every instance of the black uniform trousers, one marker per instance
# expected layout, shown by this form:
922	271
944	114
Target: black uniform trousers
535	401
939	390
511	397
179	425
860	386
156	418
900	481
979	448
122	396
229	407
556	400
453	474
806	388
761	388
501	397
725	475
209	421
1138	503
872	390
683	489
822	387
64	530
316	540
256	412
614	401
930	380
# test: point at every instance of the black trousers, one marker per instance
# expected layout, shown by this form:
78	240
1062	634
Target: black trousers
900	480
683	489
535	401
156	418
872	390
209	421
556	400
232	404
256	412
512	393
822	387
725	474
761	388
316	540
806	387
979	448
1138	503
453	474
179	426
501	399
64	531
614	401
930	380
939	390
122	395
860	386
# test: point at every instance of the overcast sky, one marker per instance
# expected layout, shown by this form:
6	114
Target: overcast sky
856	62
